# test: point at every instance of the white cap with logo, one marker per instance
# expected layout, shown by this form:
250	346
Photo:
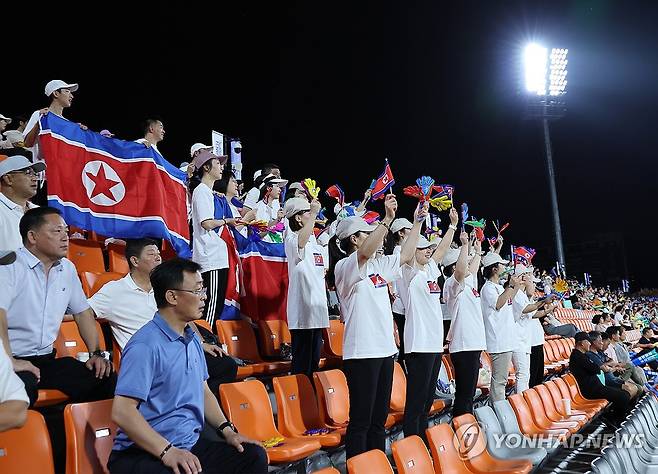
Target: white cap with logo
57	84
295	205
199	146
399	224
351	225
491	258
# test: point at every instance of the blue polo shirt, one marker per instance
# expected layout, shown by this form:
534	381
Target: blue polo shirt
165	372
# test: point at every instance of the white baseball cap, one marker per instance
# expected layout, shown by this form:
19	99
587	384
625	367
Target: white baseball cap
351	225
399	224
257	174
271	179
423	243
56	84
6	119
451	257
205	156
491	258
295	205
17	163
199	146
522	270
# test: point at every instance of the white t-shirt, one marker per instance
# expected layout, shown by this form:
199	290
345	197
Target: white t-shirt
208	248
251	199
143	141
11	386
421	295
31	123
10	217
365	306
125	305
268	212
536	333
398	304
523	322
467	326
499	324
307	293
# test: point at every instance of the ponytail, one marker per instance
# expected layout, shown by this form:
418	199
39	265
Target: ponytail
336	254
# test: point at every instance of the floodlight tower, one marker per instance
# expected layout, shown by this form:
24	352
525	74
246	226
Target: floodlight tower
545	87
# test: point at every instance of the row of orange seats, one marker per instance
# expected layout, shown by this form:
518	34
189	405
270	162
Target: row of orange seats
538	411
90	430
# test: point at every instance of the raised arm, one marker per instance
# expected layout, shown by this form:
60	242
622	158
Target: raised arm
461	268
409	247
446	240
509	293
376	237
306	231
475	262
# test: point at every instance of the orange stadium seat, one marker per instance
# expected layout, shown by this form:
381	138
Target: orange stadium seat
117	259
247	405
541	414
69	342
26	450
298	409
369	462
89	436
92	282
527	423
554	410
86	255
241	342
272	334
333	398
473	449
333	338
446	458
411	456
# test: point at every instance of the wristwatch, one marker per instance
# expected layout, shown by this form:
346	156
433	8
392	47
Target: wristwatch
221	427
98	353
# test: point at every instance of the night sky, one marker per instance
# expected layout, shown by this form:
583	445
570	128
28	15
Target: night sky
329	89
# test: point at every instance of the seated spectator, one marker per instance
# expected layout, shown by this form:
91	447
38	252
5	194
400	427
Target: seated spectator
648	343
18	177
617	351
127	304
4	143
586	373
616	377
554	327
162	398
13	399
43	284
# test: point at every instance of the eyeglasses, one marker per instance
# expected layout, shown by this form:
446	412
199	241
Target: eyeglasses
199	292
26	171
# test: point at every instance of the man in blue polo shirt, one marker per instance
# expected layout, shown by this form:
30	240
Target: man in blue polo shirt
162	397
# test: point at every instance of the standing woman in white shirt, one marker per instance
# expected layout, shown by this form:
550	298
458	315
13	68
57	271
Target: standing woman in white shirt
466	334
368	345
530	333
499	322
307	296
208	248
400	229
423	337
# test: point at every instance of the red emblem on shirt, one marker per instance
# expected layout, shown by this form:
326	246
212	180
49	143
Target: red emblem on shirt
475	292
319	261
377	280
433	287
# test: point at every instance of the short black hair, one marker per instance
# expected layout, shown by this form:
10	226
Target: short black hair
268	167
612	330
646	330
169	275
605	335
222	184
146	124
34	218
593	335
134	248
487	271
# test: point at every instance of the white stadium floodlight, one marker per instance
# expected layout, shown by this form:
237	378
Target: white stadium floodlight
558	73
535	69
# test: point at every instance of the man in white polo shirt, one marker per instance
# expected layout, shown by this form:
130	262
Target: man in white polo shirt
13	399
127	304
154	133
18	177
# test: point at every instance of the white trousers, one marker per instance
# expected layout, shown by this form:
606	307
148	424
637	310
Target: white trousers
521	361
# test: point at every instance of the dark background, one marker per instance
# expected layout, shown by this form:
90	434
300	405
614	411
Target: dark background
329	89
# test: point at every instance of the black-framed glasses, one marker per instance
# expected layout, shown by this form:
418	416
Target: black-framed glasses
26	171
200	292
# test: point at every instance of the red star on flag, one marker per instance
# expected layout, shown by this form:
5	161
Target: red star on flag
102	184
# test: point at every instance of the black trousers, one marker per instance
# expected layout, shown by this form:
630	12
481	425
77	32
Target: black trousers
536	366
369	382
220	369
422	374
620	399
399	322
215	282
306	347
215	457
68	375
467	367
